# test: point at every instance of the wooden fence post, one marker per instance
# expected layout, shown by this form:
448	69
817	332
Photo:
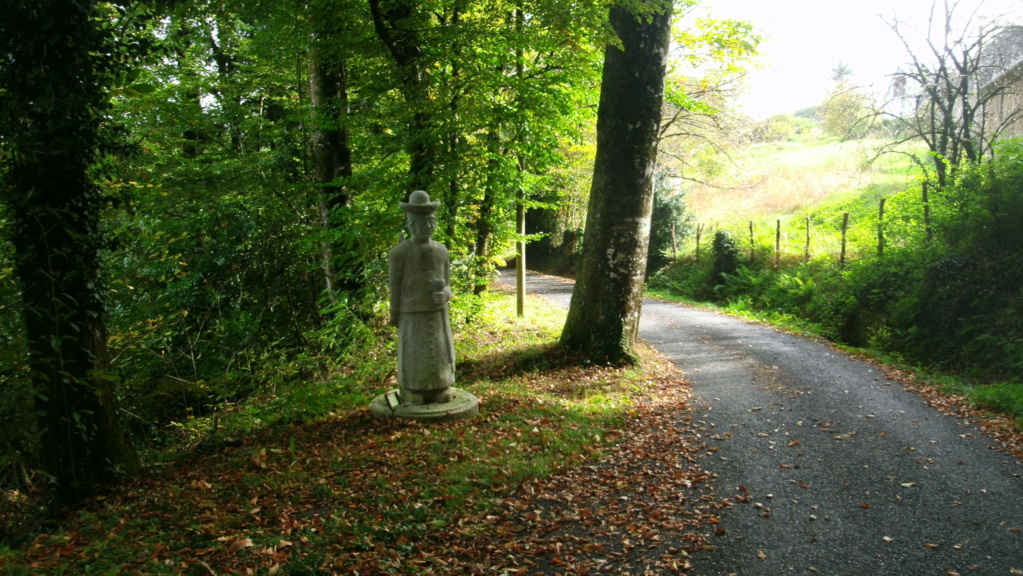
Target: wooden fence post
880	228
927	214
845	228
777	244
806	250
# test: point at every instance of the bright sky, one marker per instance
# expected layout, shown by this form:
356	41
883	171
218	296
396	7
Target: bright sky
804	40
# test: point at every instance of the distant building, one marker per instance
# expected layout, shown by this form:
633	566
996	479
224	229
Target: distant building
1002	71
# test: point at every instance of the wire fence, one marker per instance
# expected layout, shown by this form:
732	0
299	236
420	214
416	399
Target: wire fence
829	236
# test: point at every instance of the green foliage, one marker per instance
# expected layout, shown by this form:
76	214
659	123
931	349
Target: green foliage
695	135
200	302
466	305
726	44
768	288
686	278
550	249
815	113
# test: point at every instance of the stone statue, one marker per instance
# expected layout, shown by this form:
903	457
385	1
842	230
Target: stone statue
420	289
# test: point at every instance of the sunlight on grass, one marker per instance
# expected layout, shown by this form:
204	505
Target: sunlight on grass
775	179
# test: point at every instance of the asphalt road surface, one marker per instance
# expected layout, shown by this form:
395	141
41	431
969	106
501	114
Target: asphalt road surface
835	469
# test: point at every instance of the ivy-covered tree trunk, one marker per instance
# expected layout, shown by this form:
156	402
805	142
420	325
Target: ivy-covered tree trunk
51	104
603	319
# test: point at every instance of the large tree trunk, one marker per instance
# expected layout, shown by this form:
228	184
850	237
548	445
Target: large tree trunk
603	319
50	108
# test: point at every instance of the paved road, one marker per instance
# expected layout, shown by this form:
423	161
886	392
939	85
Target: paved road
844	472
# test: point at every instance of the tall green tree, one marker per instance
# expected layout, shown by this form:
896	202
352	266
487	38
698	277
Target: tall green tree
603	319
57	61
488	89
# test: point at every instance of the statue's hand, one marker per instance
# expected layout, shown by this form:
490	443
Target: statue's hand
442	296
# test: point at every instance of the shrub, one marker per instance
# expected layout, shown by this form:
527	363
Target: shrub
775	128
688	277
726	256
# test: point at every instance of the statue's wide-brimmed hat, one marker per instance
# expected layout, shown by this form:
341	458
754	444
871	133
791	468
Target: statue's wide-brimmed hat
419	203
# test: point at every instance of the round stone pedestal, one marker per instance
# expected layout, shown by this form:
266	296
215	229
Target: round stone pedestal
461	406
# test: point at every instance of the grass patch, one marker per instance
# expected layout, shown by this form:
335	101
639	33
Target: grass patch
326	488
772	180
1003	397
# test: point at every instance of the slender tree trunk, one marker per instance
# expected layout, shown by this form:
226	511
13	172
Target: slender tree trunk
50	109
422	145
806	249
880	228
603	319
845	230
520	253
453	197
520	200
331	153
484	231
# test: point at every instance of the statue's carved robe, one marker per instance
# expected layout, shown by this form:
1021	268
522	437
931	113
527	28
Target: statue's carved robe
426	353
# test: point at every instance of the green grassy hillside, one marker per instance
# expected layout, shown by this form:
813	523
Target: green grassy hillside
770	180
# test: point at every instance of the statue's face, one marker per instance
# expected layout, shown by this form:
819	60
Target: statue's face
422	226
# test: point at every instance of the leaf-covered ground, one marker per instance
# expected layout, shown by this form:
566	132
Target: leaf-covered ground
641	509
569	469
